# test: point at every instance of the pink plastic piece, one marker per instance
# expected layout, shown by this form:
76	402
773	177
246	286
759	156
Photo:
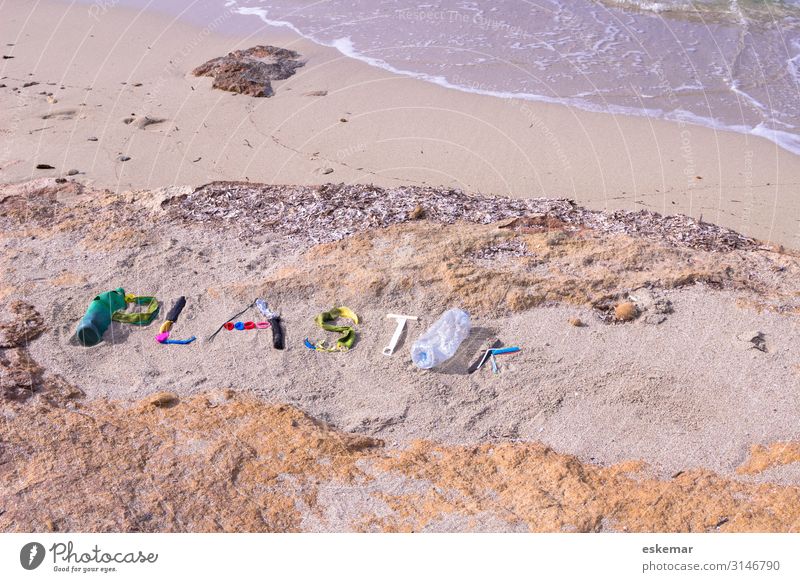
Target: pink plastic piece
162	337
263	324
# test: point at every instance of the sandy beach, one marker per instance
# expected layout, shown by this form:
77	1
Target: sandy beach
95	69
352	186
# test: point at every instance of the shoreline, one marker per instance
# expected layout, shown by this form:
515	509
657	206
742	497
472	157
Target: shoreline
786	141
398	130
201	15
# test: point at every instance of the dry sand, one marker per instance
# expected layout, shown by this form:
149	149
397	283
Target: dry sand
229	463
690	391
681	425
119	64
681	395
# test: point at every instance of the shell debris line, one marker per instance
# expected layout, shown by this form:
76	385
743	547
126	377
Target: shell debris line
333	211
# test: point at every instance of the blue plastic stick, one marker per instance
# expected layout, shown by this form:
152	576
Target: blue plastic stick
179	342
510	350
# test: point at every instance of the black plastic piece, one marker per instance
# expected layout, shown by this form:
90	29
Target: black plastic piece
175	312
277	333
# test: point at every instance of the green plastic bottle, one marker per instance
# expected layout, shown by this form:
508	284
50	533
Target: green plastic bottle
98	316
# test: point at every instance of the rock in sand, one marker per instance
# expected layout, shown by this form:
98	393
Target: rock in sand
250	71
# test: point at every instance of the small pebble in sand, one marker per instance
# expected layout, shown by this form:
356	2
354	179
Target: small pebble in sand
91	138
576	322
417	213
44	167
72	172
52	100
123	158
343	120
327	170
626	311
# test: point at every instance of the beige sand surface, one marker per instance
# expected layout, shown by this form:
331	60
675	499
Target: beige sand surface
684	389
114	65
226	462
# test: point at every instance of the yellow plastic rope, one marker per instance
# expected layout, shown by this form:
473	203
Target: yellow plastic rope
345	341
138	317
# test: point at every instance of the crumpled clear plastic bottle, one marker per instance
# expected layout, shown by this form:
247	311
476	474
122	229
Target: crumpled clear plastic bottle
440	342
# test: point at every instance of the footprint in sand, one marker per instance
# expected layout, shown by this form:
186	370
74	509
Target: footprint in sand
62	114
143	122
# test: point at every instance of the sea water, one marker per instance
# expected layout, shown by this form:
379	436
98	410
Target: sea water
731	65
